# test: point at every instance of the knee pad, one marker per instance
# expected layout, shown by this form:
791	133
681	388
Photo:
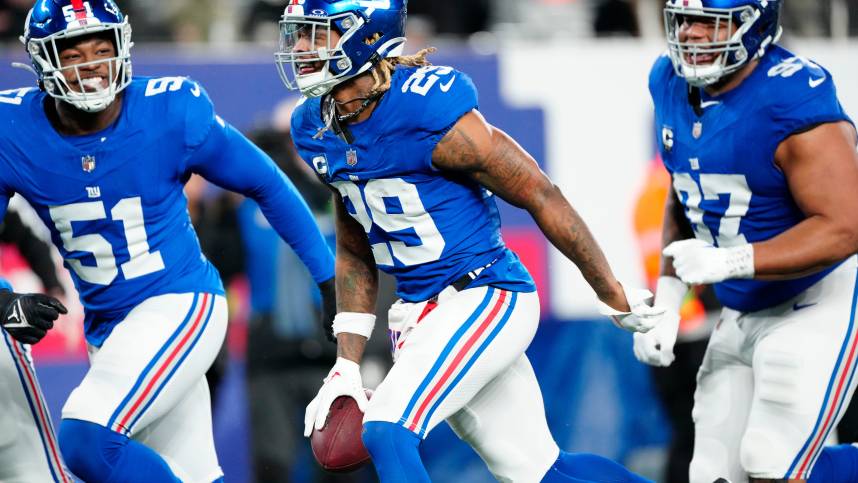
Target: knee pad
761	454
89	450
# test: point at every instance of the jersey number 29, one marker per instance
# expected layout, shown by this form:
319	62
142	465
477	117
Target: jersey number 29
410	216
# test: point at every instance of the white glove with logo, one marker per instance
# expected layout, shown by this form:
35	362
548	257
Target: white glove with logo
656	346
697	262
641	318
343	380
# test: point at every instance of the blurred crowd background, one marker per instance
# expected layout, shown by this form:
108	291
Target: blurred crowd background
229	22
598	397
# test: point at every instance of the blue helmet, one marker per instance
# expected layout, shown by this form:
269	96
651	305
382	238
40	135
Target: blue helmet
53	21
756	27
368	30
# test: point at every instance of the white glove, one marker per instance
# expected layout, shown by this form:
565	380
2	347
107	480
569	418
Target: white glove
343	380
641	317
656	346
697	262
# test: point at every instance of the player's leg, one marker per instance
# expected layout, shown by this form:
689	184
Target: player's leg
725	385
28	447
191	456
505	424
464	343
836	464
145	369
804	368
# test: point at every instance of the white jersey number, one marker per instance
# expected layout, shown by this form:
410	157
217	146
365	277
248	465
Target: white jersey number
410	214
14	96
712	186
169	84
424	78
130	212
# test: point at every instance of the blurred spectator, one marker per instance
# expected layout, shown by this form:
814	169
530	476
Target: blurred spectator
675	385
261	20
616	18
36	252
807	18
13	15
453	17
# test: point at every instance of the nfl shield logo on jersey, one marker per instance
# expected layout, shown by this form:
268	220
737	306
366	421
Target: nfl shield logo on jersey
351	157
87	163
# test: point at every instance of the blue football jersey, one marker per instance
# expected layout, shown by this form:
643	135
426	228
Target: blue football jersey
426	227
723	162
114	200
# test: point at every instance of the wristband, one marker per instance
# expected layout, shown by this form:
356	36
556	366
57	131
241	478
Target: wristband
670	292
740	261
354	323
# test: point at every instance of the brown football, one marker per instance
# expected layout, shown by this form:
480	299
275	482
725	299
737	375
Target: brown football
338	447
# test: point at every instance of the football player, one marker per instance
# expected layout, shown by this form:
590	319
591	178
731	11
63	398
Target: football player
28	445
103	157
416	169
764	206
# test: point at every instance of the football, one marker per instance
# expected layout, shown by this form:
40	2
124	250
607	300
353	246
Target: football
338	447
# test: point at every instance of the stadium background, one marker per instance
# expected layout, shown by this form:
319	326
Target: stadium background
567	79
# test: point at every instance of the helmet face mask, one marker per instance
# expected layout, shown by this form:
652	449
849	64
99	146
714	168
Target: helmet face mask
741	30
324	43
328	62
53	25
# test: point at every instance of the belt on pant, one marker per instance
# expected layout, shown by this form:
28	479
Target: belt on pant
462	282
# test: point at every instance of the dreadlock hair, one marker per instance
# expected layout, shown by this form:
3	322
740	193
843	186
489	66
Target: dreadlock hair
384	69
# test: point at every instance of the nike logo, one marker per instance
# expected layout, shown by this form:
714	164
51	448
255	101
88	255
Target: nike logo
803	306
706	104
814	83
446	87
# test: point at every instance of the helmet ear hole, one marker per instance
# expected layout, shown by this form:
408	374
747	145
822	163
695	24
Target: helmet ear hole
372	39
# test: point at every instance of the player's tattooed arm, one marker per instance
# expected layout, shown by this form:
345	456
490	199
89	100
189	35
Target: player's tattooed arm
493	159
675	227
357	278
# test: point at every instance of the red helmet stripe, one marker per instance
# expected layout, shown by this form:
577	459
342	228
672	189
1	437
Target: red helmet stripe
79	9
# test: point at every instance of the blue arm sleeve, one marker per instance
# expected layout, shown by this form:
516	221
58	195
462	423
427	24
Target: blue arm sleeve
231	161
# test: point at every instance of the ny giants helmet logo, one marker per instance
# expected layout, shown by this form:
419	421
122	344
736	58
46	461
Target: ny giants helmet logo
77	11
295	7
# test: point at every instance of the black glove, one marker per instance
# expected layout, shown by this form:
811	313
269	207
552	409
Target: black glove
28	317
328	288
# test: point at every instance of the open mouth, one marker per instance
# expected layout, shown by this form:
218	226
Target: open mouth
91	84
700	58
307	68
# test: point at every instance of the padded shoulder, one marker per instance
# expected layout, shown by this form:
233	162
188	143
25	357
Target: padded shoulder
431	99
800	93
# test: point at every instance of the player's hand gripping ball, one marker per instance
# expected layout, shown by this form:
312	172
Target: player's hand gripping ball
338	447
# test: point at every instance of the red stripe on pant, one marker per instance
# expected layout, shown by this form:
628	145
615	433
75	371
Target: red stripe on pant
458	359
166	364
835	403
44	427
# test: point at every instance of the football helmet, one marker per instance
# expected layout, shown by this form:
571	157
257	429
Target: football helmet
53	21
756	23
369	30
